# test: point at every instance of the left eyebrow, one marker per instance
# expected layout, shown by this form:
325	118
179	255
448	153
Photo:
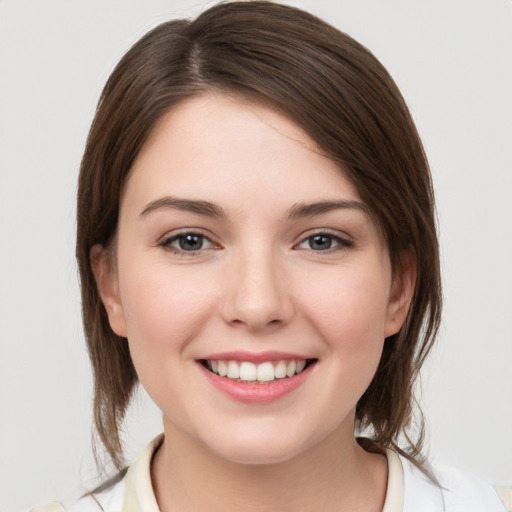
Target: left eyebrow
188	205
300	210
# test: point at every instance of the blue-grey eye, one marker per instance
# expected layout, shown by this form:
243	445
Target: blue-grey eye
320	242
188	242
323	242
191	242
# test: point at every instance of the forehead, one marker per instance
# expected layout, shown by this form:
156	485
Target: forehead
242	145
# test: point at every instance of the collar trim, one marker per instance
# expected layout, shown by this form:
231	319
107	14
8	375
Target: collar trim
139	495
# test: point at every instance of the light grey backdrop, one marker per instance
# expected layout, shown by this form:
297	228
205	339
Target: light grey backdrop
452	61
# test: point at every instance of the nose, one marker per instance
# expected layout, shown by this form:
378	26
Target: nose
258	296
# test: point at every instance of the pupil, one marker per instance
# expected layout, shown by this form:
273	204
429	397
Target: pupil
191	242
320	242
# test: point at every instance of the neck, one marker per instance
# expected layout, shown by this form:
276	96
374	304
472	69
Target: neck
334	475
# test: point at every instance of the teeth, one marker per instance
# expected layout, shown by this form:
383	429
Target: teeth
290	369
265	372
222	368
280	370
233	370
250	372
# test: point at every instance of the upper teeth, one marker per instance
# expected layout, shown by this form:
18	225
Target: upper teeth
263	372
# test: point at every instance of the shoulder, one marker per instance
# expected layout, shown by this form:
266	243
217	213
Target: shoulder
454	491
115	492
54	506
109	500
463	491
505	495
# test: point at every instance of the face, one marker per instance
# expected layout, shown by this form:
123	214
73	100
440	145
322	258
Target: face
252	285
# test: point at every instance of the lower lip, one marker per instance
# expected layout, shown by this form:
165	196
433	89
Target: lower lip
256	393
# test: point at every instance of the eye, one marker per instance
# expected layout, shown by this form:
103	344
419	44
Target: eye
186	242
324	242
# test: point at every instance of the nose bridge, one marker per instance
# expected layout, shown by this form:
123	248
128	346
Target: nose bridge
257	294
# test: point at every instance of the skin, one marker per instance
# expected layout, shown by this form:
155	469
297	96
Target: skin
257	283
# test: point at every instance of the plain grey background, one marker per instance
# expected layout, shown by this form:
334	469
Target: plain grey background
452	61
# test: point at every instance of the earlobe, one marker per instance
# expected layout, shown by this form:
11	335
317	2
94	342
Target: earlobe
402	291
107	283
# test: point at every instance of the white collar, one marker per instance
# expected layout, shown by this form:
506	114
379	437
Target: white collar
139	495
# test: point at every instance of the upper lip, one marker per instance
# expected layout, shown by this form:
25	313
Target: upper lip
254	357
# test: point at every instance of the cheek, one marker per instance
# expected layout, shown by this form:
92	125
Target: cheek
350	315
352	307
164	310
164	313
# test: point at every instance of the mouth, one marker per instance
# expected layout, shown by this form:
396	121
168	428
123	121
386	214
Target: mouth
265	372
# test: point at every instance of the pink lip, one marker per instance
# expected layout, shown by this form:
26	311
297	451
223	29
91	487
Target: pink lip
252	357
256	393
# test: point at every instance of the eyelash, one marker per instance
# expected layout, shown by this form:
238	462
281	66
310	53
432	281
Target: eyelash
340	243
166	243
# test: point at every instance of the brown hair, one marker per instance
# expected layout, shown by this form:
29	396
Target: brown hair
346	101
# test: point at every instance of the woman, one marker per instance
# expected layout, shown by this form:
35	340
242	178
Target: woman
257	245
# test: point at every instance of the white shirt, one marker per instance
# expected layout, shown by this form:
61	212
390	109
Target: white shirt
408	490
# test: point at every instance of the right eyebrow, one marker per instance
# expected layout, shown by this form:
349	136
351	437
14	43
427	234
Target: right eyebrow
188	205
311	209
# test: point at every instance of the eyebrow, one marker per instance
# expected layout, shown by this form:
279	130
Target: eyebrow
208	209
301	210
187	205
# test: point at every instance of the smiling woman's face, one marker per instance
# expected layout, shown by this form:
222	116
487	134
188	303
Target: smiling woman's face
241	249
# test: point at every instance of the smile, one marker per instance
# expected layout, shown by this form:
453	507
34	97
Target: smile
256	378
262	373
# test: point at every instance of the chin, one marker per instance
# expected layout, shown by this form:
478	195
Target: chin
257	448
258	455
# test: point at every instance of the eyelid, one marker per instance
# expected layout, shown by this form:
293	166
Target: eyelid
344	241
165	241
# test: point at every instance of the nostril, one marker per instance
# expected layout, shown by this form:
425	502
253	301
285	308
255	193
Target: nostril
256	300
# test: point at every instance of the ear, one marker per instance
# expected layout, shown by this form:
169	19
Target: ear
108	287
402	291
